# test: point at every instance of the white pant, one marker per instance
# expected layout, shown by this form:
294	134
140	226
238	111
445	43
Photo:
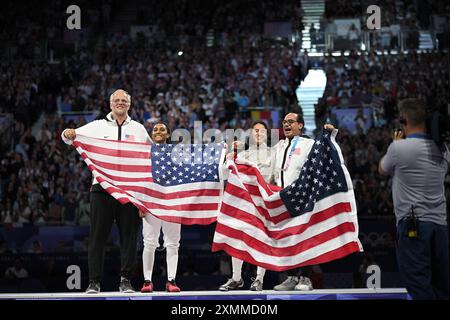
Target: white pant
151	229
236	265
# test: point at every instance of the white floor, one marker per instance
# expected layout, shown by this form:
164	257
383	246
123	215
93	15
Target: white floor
161	294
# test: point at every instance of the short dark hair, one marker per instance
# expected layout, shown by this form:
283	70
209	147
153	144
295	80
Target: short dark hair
260	122
265	127
167	127
414	109
300	119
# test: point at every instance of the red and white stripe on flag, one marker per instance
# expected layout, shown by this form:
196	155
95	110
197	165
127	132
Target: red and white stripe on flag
124	170
255	226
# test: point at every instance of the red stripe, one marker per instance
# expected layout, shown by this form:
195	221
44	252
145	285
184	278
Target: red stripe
297	229
247	217
187	220
116	141
123	197
254	191
171	195
112	189
245	196
182	220
113	152
120	167
295	249
254	173
126	199
115	178
179	207
153	192
151	205
183	207
338	253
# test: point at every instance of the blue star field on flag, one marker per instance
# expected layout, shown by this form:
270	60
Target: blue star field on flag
179	164
321	176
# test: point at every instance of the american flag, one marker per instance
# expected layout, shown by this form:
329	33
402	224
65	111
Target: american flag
189	177
176	183
311	221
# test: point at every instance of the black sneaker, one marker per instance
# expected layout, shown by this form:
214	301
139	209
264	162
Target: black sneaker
232	285
125	286
94	287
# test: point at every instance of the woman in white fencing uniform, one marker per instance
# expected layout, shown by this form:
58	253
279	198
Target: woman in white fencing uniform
151	230
259	153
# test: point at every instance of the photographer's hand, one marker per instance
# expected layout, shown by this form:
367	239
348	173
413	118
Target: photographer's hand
398	134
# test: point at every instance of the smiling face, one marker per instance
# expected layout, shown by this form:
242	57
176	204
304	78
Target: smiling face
259	133
120	104
160	134
291	127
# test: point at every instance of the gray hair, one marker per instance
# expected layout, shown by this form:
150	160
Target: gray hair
126	94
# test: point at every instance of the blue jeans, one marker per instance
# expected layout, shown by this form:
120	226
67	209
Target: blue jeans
423	261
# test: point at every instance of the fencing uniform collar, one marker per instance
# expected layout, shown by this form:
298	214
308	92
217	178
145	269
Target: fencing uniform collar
255	147
110	118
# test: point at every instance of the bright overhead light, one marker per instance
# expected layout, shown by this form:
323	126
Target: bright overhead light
180	53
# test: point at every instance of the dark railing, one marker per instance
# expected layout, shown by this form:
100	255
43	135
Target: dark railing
402	40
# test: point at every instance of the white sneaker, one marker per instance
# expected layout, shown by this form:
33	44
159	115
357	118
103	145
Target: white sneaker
257	285
232	285
287	285
304	284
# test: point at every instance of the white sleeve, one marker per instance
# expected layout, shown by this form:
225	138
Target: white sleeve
276	170
87	130
271	168
146	135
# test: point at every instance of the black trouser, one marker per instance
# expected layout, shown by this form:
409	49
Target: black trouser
302	271
423	261
104	210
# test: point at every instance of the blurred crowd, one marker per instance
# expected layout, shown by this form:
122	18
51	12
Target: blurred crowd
403	12
401	23
217	85
187	18
214	85
30	28
379	81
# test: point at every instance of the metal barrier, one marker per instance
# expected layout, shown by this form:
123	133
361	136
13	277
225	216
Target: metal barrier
382	39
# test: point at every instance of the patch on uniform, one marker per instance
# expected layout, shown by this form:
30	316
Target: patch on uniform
129	137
